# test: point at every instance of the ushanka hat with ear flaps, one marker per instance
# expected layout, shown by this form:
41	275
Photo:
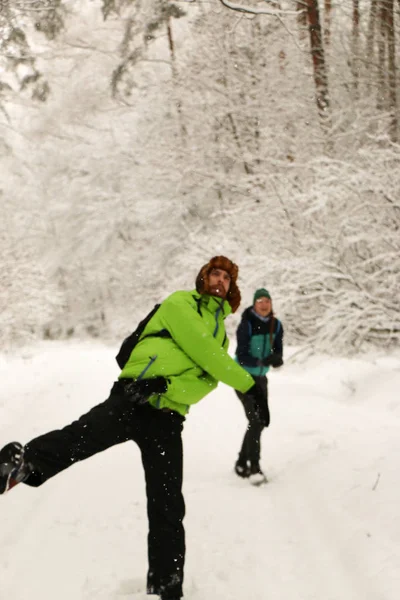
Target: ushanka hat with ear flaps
221	262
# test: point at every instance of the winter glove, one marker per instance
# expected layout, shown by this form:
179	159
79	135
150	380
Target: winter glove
273	360
277	360
139	391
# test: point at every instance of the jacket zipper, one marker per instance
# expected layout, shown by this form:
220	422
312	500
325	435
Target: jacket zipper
147	367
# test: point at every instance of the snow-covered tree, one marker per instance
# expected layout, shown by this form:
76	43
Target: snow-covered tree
169	137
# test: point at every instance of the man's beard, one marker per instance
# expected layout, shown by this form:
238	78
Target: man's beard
217	290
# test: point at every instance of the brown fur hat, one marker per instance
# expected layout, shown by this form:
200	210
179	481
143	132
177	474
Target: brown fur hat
221	262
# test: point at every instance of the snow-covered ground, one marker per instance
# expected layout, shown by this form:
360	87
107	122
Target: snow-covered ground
326	526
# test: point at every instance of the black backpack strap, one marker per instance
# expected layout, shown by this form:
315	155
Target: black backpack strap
132	340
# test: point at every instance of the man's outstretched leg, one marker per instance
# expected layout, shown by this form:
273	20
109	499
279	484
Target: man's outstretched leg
114	421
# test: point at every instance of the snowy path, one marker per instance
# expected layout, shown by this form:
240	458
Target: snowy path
327	526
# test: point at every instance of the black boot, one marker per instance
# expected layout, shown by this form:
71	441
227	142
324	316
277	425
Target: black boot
242	468
13	469
256	476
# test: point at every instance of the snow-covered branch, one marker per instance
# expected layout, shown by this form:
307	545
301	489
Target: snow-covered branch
251	10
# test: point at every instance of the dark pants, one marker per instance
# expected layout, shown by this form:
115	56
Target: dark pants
257	413
158	435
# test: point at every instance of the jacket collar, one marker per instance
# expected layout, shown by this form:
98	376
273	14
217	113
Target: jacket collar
251	314
214	304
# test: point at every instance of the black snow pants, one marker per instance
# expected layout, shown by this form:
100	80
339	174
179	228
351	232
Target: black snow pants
258	417
158	435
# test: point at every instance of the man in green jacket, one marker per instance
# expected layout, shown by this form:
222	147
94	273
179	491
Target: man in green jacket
179	359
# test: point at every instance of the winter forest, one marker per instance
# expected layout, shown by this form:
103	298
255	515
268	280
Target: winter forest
141	137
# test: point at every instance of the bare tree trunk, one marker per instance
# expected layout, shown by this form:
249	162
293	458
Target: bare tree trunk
256	34
236	137
171	46
327	22
369	50
381	57
388	14
318	58
355	63
302	18
229	117
371	29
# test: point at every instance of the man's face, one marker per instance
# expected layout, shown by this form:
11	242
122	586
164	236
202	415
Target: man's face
262	306
219	282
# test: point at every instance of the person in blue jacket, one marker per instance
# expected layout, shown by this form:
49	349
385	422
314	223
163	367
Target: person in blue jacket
259	347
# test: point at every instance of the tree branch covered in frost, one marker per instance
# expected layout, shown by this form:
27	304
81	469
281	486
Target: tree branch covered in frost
29	300
18	59
275	11
345	279
211	145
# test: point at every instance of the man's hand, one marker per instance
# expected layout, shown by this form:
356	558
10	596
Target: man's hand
140	391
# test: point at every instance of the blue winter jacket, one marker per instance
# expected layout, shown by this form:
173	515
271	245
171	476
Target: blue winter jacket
257	338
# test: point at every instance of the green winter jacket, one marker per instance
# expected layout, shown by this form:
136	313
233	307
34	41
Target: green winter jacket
194	358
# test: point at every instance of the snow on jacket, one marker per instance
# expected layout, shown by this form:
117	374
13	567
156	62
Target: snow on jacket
194	358
256	341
